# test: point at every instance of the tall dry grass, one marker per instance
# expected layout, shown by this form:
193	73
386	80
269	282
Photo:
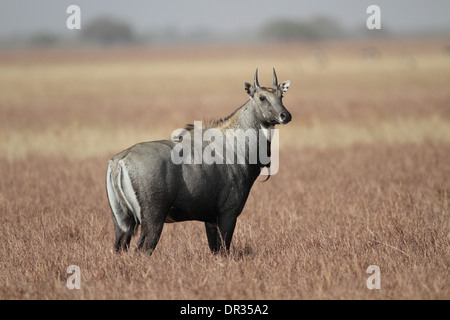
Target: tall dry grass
311	231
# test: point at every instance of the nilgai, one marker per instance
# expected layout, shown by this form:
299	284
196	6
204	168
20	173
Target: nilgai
146	187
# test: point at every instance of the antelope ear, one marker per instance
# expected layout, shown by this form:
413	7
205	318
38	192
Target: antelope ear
249	89
284	86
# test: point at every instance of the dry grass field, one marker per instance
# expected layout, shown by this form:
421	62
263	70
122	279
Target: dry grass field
364	173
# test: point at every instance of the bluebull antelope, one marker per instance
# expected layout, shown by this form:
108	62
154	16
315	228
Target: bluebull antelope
145	187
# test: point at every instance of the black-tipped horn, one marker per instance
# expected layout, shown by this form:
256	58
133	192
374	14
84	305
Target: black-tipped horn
256	80
275	80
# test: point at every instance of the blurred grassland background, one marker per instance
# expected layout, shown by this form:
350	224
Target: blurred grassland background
83	103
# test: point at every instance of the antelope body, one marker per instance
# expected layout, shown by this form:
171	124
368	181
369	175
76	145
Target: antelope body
146	188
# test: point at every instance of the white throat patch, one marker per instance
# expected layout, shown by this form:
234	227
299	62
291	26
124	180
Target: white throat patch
267	132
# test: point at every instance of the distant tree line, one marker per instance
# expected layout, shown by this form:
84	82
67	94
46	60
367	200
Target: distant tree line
291	30
107	31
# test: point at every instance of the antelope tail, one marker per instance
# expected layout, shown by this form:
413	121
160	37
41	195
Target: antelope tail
122	197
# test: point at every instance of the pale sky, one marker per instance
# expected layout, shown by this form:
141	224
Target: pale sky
21	17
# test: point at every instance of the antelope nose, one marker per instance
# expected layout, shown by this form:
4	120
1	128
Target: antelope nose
285	117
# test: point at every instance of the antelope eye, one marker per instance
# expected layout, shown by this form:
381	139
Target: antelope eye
262	98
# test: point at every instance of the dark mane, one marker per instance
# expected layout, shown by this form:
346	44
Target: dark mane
211	123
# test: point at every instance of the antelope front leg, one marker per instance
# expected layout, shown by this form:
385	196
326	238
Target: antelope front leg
213	238
226	228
